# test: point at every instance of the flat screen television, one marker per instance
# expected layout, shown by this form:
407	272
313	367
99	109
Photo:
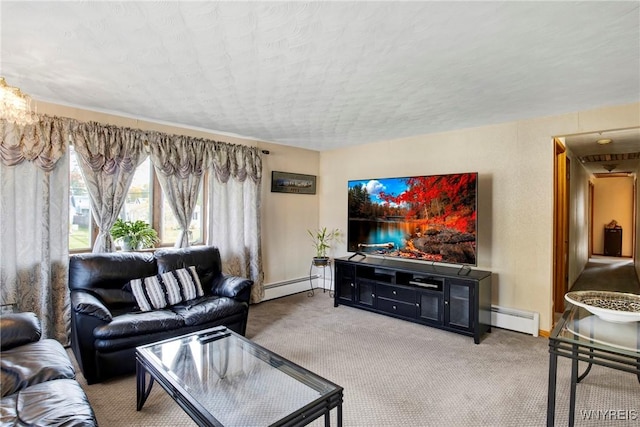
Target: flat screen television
431	218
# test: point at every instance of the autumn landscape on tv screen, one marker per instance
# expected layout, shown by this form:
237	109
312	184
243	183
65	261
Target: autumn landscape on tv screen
431	218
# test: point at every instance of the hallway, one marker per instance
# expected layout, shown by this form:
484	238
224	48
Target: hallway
604	273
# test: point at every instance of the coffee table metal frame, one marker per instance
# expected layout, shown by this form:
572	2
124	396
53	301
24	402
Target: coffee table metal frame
301	417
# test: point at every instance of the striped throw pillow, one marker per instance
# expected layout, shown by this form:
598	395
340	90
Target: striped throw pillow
166	289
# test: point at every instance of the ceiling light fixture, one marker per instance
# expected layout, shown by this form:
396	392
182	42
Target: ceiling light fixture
609	168
15	106
604	141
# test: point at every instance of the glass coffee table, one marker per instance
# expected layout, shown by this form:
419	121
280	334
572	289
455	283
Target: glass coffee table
221	378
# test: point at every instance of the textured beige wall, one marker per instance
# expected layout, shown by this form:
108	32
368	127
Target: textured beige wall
515	165
286	248
613	200
578	219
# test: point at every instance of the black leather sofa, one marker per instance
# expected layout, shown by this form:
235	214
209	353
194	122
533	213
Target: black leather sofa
107	324
37	378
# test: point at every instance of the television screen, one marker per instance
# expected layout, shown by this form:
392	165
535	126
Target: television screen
430	218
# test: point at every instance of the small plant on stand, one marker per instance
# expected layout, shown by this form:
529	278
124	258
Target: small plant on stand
322	240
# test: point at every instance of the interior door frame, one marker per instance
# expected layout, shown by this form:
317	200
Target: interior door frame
561	167
591	193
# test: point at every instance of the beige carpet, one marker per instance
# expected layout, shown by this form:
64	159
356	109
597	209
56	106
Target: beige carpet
396	373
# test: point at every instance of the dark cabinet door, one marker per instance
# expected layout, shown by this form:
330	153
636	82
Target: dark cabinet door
345	284
430	307
365	293
458	305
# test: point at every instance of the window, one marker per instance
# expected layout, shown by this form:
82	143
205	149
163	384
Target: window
144	202
170	227
138	204
80	221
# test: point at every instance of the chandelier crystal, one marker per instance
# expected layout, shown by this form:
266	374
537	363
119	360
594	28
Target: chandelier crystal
15	106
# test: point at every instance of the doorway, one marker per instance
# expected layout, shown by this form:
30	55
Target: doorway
593	155
613	225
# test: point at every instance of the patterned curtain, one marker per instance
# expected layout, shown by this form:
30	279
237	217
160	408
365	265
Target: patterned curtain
234	210
34	222
178	162
109	156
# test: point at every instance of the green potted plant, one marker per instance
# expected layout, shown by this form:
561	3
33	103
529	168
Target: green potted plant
134	235
322	239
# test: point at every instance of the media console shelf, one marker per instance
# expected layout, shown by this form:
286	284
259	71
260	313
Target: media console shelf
454	299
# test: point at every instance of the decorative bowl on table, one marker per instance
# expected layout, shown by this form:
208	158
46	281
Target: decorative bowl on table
616	307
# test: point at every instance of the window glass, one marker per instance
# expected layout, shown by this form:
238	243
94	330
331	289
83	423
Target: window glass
79	207
138	204
171	228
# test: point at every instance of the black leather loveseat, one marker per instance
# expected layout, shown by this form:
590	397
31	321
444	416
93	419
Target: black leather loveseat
37	378
107	322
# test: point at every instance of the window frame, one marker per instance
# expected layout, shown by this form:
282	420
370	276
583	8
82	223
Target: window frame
157	198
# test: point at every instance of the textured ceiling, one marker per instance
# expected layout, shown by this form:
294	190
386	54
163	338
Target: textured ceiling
321	75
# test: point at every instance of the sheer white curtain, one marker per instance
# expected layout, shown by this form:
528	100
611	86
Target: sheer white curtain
178	162
109	156
234	211
34	216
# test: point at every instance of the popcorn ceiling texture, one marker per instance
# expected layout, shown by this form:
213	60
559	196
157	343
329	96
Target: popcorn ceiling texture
321	75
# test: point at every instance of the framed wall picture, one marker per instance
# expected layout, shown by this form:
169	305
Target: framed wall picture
285	182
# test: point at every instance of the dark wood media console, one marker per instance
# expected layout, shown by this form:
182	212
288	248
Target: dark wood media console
450	298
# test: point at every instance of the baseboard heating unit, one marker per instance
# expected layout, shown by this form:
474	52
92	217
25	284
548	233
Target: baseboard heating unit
515	320
289	287
291	282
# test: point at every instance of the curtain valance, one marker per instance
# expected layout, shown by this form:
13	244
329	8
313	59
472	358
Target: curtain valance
237	161
42	143
183	156
108	148
113	147
176	155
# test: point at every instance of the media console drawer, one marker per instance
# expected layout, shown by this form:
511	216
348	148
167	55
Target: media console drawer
450	298
397	307
396	293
